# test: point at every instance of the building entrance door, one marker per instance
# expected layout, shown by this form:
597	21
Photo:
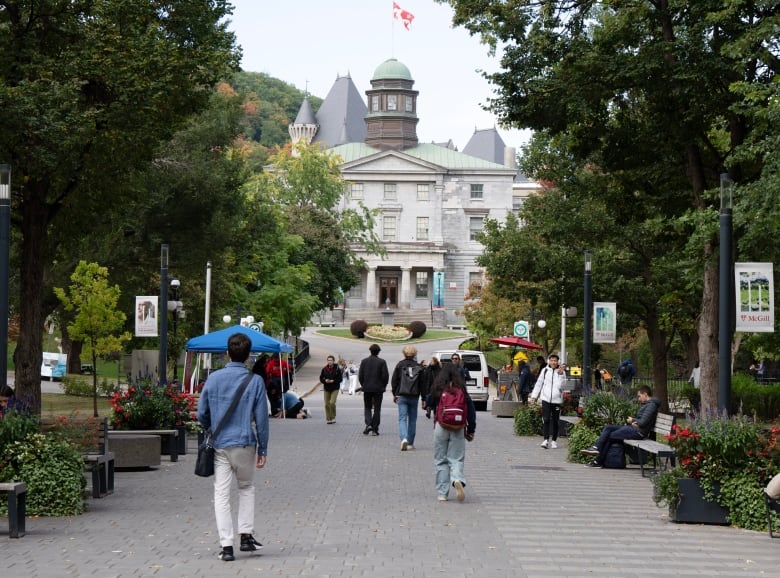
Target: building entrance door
388	292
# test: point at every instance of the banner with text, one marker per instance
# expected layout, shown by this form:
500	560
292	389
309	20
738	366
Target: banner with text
146	316
604	322
754	297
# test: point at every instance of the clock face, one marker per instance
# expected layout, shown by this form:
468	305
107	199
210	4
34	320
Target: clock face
391	102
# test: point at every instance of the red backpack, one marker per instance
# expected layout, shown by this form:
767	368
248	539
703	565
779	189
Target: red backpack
452	410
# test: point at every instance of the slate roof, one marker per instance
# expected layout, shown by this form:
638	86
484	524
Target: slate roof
486	144
341	116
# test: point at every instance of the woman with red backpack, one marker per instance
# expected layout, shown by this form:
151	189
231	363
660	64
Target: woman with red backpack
455	422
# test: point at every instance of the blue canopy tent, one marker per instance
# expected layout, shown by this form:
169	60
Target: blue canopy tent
216	342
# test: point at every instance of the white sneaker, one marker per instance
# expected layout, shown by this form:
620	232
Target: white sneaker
410	447
553	445
544	444
404	445
442	498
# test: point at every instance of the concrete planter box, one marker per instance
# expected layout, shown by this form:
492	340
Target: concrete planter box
503	408
136	451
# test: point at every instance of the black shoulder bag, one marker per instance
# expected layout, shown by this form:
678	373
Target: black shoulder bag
204	465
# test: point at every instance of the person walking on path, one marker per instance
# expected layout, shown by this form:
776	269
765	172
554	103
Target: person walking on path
373	376
525	381
549	387
408	385
449	445
240	447
352	369
432	369
638	427
330	377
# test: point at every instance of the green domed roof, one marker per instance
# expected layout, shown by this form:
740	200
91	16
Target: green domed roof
392	69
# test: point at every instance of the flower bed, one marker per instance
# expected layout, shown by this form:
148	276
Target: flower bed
388	333
152	407
732	458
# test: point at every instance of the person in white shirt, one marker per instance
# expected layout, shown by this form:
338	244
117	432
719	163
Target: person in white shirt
548	388
695	376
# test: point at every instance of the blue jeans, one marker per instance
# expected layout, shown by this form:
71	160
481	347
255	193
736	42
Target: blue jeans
449	456
614	433
407	417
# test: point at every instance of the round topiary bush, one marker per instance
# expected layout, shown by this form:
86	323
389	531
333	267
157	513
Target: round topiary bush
417	328
358	328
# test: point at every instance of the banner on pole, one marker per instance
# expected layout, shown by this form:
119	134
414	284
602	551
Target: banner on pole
754	297
146	316
604	322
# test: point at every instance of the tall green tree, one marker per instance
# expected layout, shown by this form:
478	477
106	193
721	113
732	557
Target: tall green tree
88	91
646	93
92	302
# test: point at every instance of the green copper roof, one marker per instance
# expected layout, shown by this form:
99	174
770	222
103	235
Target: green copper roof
429	152
392	69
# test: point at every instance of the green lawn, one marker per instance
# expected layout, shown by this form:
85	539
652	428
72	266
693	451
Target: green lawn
57	404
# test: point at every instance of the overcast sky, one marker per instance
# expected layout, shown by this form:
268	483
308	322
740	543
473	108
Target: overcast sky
312	42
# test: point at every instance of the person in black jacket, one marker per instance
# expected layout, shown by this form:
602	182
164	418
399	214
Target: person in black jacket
637	428
330	378
408	371
373	376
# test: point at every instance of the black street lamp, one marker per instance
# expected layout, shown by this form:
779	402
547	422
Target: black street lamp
5	242
587	331
163	361
725	295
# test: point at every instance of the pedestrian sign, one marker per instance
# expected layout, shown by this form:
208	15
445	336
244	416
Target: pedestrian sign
521	329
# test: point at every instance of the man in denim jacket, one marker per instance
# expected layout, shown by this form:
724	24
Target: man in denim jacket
240	447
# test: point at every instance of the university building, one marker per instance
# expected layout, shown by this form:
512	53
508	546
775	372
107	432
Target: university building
432	199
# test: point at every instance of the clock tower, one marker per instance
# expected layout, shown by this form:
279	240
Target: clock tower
391	121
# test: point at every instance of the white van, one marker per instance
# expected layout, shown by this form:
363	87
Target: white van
479	384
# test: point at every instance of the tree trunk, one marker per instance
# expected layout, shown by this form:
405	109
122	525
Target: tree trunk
29	348
708	333
659	349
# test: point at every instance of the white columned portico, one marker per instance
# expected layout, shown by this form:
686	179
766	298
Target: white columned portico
371	287
406	277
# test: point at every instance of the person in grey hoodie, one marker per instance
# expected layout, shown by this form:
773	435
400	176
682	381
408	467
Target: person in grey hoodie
549	388
636	428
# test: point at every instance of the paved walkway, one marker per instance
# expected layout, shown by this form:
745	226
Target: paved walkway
332	502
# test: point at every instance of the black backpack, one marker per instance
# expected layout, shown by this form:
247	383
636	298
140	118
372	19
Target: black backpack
410	380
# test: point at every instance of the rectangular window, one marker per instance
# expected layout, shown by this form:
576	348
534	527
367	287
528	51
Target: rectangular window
388	228
423	192
391	192
476	191
391	102
409	104
421	285
475	284
375	103
475	227
356	191
422	228
517	204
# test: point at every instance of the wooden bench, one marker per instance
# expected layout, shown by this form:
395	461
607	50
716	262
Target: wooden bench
17	506
170	436
663	427
91	435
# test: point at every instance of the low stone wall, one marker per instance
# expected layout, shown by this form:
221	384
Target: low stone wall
135	451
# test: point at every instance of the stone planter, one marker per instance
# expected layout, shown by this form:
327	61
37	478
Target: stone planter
694	508
135	451
181	439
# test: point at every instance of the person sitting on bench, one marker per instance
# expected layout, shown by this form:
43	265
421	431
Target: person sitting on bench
638	427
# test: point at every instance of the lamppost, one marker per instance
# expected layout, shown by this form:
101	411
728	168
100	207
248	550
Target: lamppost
587	331
163	362
725	295
177	308
5	235
226	318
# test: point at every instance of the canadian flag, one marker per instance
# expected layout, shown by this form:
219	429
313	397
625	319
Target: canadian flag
402	15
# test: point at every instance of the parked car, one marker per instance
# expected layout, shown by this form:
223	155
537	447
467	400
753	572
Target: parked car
479	384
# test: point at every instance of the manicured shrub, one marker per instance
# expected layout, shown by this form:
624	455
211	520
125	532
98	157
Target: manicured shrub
528	420
604	408
358	328
417	328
